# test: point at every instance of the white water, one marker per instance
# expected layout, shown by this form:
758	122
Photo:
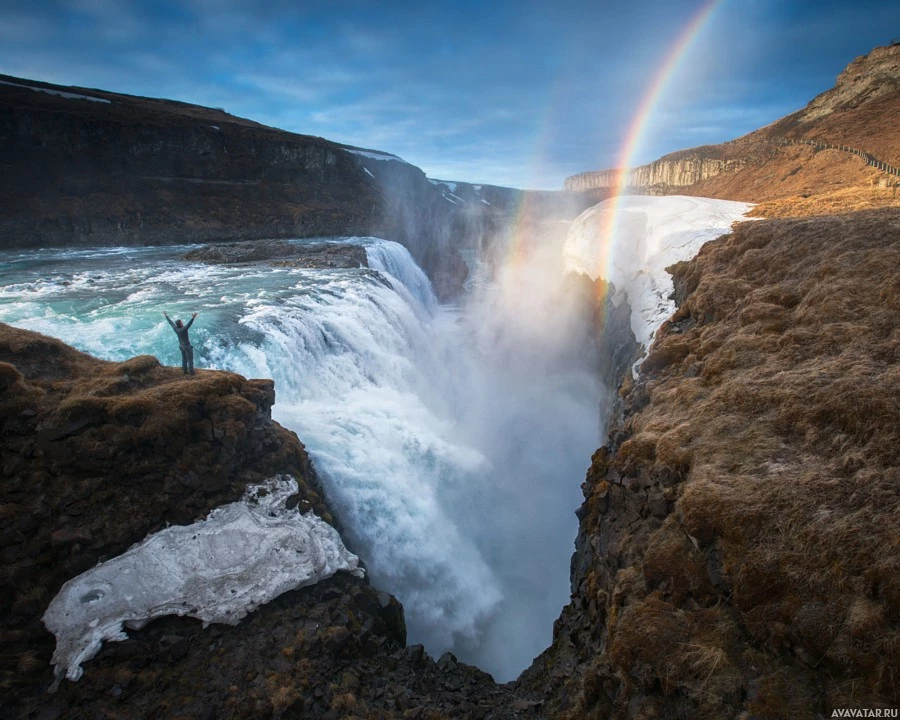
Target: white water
451	441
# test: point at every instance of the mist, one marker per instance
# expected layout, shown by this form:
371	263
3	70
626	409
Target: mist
532	408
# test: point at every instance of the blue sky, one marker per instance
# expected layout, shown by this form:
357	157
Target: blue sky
510	93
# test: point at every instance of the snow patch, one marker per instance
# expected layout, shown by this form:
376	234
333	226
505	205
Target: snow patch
451	186
70	96
217	570
651	234
376	155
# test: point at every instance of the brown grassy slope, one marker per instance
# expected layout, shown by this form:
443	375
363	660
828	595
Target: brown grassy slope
802	181
862	111
742	526
792	171
96	455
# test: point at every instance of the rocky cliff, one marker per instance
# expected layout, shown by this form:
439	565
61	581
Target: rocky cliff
672	171
86	167
90	167
768	164
736	555
443	221
863	81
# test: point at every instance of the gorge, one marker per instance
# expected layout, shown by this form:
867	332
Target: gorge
439	397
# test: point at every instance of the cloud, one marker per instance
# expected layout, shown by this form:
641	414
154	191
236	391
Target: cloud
499	87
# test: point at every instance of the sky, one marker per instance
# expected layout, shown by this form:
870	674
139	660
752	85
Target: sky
518	93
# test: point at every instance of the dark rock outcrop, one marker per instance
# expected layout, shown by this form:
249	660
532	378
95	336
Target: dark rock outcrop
122	170
314	255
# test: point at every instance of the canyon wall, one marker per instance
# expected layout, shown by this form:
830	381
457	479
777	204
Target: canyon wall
668	172
87	167
735	556
137	171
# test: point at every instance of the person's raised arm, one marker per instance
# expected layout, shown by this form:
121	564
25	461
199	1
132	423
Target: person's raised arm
168	319
191	321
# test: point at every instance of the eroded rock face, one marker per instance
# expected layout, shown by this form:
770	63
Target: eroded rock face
699	165
332	650
865	79
219	569
139	171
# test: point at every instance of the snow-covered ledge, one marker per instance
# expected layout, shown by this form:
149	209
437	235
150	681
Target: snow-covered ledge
649	234
217	570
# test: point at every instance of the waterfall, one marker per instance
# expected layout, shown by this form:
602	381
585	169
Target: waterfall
451	442
394	260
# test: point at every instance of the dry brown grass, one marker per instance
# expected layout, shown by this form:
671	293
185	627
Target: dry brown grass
790	171
846	200
96	455
158	402
777	576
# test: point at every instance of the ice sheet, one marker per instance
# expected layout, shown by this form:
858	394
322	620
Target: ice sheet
219	569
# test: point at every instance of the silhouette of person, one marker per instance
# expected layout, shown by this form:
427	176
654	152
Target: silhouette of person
184	343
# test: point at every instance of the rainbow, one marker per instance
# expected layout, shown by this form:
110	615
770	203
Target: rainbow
638	127
633	139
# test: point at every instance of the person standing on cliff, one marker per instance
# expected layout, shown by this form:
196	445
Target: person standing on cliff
184	343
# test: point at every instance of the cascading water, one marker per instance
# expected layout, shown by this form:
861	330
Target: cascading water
451	440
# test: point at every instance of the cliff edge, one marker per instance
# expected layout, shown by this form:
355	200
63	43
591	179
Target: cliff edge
737	553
